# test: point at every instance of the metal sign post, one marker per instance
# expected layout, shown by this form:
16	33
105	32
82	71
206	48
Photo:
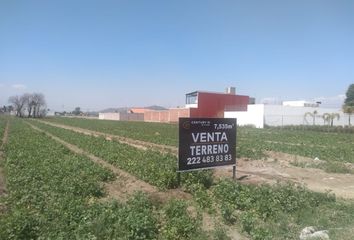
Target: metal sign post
206	143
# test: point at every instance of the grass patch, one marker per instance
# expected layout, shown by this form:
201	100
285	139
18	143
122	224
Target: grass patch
336	167
327	166
282	211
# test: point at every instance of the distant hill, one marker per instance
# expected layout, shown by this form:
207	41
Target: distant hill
125	109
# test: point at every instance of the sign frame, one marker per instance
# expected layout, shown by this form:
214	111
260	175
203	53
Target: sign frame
198	131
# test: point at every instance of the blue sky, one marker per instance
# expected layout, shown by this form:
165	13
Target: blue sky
99	54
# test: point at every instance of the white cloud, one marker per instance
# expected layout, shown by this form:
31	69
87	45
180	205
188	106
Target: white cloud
1	85
19	86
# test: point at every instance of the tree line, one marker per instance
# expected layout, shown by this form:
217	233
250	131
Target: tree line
29	105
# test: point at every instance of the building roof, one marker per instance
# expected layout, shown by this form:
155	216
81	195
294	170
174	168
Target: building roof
199	91
210	92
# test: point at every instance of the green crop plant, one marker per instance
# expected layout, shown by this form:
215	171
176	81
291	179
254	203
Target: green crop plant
220	233
154	167
160	133
180	224
266	212
47	186
54	194
252	143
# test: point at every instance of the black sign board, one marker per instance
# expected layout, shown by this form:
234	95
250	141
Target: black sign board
206	143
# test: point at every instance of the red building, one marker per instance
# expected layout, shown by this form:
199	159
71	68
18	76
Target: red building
202	104
209	104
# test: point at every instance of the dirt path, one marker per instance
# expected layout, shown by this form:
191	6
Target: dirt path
135	143
5	136
126	184
2	175
278	168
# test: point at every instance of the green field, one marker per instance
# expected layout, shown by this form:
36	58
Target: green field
159	133
251	143
56	194
151	166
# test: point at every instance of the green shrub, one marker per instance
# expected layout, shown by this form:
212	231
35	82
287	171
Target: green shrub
227	212
259	208
138	218
248	220
191	179
261	233
179	224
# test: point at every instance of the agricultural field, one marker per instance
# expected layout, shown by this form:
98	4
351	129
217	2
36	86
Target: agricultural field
159	133
332	147
151	166
54	193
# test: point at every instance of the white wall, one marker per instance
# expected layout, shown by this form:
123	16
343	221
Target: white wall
253	116
121	116
109	116
278	115
193	105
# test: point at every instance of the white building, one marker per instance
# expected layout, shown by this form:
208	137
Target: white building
253	116
121	116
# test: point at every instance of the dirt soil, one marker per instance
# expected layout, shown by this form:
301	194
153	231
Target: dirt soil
2	177
277	167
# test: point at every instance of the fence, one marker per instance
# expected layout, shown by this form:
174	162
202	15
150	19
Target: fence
278	115
286	115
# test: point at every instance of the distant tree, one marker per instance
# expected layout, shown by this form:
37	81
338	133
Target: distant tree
3	109
348	110
349	100
311	114
10	108
39	105
348	106
7	109
30	105
18	103
77	111
34	103
329	118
